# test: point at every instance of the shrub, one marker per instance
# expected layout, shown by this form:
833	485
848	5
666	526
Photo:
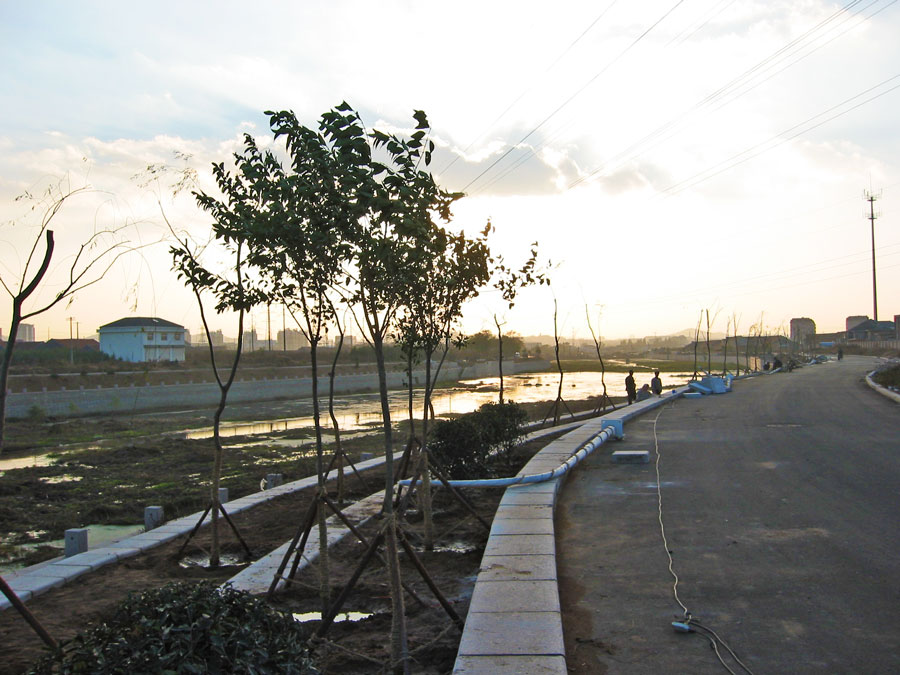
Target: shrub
460	448
504	424
187	629
465	446
36	413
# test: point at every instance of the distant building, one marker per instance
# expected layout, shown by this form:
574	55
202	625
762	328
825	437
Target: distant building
853	321
140	339
803	331
250	342
290	339
199	339
873	330
26	333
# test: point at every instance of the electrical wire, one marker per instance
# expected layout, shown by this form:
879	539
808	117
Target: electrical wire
573	96
687	618
731	91
528	89
774	141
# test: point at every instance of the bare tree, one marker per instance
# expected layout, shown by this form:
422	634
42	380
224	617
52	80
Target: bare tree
84	267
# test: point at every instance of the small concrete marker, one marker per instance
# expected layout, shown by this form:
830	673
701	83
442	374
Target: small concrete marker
223	495
153	517
273	480
363	456
631	457
76	541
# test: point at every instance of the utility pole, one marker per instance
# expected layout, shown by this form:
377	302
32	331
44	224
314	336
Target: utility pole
870	197
71	344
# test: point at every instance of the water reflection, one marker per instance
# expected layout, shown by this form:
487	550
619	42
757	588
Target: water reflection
360	412
303	617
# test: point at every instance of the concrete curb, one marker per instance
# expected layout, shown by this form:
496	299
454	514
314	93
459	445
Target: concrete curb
514	624
33	581
884	391
37	579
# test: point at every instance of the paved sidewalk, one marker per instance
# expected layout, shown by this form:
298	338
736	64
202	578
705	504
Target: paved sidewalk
780	503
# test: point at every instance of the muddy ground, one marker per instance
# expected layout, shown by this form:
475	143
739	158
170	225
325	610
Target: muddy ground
349	647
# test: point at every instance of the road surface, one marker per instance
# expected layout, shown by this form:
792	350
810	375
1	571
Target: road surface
781	509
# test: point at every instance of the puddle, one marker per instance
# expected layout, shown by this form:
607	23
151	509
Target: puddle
455	547
23	462
303	617
202	560
63	478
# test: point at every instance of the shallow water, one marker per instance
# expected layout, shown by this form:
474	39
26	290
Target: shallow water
361	413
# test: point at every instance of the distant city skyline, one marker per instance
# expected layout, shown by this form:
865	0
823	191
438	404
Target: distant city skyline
669	157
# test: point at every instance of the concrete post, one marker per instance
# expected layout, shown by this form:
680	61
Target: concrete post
273	480
223	495
153	517
76	541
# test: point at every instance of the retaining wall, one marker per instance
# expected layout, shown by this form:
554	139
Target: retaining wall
86	401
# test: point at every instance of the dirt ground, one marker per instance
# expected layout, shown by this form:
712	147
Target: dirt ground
349	647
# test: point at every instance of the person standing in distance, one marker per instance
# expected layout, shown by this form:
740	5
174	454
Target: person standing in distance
656	384
630	388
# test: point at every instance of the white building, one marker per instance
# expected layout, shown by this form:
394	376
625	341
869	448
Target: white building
142	339
26	333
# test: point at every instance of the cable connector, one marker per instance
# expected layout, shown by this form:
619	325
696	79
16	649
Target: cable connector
682	626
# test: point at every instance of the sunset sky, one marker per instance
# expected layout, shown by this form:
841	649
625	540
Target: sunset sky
669	157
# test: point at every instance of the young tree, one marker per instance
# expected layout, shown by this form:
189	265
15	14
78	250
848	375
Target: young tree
233	217
395	203
84	266
509	282
449	272
604	399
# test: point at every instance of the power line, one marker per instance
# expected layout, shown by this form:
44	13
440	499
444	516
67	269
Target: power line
528	90
573	96
725	95
790	49
739	158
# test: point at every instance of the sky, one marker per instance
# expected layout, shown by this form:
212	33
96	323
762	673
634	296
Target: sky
669	157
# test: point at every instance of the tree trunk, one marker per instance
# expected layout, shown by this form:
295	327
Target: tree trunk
324	574
216	483
500	359
17	302
399	649
427	514
334	423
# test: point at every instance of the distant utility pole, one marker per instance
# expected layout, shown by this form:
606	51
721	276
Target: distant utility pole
870	197
71	344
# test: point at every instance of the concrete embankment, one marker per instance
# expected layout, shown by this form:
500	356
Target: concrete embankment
105	400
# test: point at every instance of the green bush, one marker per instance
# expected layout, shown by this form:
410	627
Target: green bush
183	628
36	413
466	446
504	424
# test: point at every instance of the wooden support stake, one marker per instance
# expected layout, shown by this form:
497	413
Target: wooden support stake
428	580
27	615
456	493
362	538
303	527
194	531
357	573
235	530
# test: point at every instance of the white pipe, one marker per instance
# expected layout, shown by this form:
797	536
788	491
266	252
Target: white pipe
586	449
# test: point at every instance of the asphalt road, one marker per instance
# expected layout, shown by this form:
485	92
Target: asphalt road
781	507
